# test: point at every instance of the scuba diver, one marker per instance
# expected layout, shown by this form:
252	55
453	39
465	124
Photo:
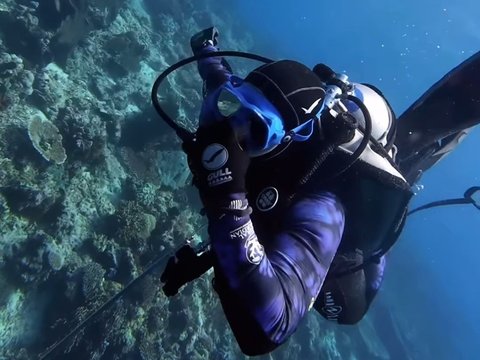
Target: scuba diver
301	191
305	179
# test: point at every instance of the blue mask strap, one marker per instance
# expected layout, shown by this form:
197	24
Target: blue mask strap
302	132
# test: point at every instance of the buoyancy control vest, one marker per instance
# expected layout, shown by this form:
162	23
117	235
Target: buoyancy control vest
373	192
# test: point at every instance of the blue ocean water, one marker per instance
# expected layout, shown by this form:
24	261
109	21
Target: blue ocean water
403	47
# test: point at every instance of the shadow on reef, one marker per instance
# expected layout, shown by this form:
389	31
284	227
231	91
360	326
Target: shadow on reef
32	47
33	204
144	130
18	147
67	296
51	14
101	338
51	29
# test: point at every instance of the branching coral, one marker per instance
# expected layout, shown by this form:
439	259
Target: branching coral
133	223
84	135
92	276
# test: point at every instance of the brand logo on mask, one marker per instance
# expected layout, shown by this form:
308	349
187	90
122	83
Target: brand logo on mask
267	199
214	156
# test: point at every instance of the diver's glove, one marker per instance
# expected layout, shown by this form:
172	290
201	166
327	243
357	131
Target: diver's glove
218	165
184	267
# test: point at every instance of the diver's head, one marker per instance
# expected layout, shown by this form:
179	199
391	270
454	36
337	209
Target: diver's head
273	106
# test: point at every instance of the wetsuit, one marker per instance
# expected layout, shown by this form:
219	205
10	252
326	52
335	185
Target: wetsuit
268	280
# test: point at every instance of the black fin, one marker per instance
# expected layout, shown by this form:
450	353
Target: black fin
436	123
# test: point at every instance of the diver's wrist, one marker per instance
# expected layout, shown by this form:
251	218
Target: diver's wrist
235	203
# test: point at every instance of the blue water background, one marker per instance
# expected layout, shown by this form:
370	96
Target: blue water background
402	47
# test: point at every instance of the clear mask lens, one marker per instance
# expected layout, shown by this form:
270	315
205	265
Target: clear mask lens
228	104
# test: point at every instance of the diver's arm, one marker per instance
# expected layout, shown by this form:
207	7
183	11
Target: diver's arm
212	69
265	296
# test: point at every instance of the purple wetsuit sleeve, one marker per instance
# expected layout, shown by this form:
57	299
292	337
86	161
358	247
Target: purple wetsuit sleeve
212	69
214	75
276	287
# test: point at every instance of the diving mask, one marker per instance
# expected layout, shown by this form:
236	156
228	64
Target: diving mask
258	125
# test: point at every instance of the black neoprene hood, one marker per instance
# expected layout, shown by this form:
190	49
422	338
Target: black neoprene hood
291	87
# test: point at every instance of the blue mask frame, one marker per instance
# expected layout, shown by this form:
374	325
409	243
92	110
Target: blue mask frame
252	104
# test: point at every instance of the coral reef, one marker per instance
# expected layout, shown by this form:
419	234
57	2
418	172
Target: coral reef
21	32
92	276
133	225
50	89
84	134
11	324
17	82
120	61
92	186
174	171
